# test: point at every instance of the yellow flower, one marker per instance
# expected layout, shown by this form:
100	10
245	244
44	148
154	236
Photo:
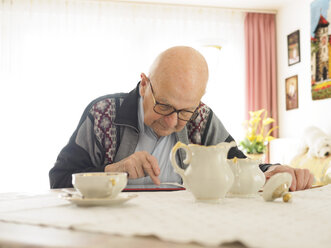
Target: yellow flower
254	120
257	132
268	121
268	138
259	138
251	137
256	113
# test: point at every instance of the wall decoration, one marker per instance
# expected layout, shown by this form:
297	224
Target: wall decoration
291	86
320	42
293	47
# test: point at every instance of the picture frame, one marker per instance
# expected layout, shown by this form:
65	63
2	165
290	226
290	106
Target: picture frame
320	49
293	48
291	87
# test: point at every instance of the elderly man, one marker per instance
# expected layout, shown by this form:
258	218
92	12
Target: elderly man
135	132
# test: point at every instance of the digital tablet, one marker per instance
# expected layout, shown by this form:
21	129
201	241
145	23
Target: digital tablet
152	187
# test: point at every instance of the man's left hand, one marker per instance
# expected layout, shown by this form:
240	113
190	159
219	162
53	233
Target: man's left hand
301	178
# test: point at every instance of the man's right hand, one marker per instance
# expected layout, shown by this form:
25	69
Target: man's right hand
136	165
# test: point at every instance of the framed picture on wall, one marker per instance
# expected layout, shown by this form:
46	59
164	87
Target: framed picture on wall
291	86
320	49
293	47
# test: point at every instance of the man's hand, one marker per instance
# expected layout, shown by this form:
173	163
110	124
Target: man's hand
301	178
136	165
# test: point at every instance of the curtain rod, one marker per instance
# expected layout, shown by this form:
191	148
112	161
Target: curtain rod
267	11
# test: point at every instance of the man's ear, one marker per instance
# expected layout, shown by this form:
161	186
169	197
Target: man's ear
143	84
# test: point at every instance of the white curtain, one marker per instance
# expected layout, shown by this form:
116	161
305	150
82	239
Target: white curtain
58	55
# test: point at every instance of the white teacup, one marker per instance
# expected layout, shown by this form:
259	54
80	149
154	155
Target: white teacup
99	184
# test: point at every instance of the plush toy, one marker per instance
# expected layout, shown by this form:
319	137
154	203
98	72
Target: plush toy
316	142
315	155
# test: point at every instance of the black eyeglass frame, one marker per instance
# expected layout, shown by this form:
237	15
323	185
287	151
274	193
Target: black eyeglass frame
194	113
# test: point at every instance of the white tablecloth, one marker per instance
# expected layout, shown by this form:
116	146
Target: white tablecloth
175	216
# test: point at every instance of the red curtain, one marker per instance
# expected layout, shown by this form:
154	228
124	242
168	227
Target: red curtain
260	45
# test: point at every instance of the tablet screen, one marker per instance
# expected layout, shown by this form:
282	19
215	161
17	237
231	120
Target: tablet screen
152	187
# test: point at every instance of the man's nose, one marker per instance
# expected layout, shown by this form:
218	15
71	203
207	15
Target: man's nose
171	120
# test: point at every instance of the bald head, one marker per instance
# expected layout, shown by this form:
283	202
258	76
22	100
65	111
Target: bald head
177	81
181	68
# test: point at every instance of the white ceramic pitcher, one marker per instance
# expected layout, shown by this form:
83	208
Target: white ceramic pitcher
248	177
208	175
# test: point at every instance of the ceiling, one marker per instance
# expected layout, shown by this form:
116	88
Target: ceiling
268	5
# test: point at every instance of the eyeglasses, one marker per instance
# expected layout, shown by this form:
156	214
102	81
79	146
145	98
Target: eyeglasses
166	110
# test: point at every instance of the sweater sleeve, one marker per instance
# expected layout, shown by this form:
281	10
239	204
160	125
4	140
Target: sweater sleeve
72	159
83	153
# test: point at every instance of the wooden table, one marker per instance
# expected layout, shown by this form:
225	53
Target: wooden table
13	235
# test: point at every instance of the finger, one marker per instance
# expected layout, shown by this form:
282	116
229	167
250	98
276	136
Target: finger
139	170
267	175
131	171
270	172
148	166
293	186
310	181
135	166
149	170
290	170
126	166
283	168
279	169
306	178
155	166
276	169
154	178
300	176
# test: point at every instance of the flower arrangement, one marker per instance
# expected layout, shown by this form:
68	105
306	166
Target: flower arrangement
257	133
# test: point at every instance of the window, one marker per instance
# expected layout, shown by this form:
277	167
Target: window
57	56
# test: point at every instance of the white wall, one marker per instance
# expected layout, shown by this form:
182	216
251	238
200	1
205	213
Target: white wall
296	15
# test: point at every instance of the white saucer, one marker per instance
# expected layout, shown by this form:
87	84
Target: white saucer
121	198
